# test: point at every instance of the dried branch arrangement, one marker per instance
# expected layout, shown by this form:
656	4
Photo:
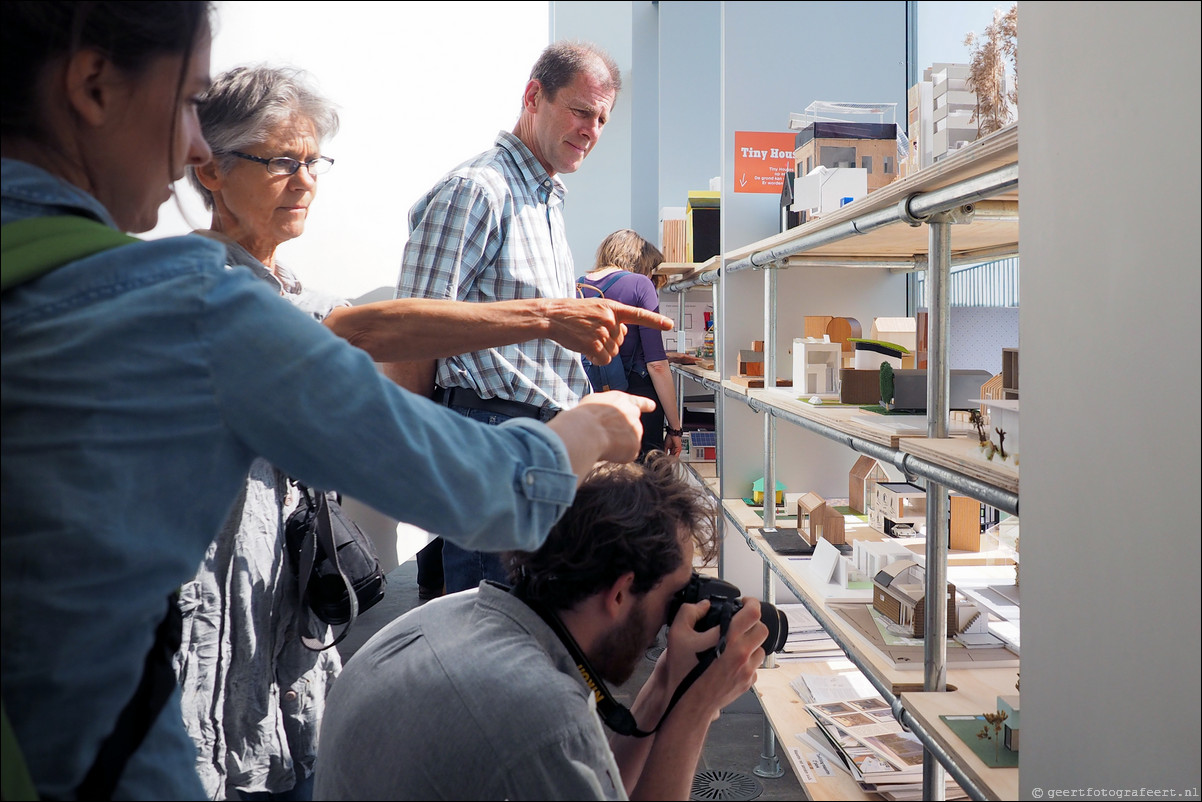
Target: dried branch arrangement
990	54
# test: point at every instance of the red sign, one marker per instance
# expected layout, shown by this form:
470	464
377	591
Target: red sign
761	160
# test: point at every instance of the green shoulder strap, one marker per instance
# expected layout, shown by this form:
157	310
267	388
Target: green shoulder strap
18	785
30	248
40	244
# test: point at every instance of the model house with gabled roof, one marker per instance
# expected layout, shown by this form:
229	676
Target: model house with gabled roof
899	594
811	508
862	481
817	519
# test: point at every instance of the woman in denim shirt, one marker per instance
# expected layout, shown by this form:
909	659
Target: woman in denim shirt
140	383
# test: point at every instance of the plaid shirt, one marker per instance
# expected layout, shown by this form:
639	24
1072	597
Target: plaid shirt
492	230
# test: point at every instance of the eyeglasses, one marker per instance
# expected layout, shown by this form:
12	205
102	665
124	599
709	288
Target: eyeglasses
283	165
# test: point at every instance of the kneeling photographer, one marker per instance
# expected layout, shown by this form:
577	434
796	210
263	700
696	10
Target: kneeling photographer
500	692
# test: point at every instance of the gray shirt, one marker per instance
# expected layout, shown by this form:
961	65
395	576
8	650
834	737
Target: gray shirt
252	693
470	696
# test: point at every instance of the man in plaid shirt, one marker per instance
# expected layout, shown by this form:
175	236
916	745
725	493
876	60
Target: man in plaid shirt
492	229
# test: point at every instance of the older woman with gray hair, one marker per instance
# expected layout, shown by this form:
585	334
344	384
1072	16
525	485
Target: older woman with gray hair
253	694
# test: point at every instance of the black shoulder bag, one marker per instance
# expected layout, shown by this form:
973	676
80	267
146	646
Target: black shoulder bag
336	567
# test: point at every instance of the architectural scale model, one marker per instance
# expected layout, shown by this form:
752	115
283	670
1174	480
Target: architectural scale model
899	594
1010	726
970	519
816	519
862	481
757	492
896	503
870	556
816	366
750	368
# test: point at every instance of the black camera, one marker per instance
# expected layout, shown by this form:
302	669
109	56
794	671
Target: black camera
724	603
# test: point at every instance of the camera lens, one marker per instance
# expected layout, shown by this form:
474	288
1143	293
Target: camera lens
778	627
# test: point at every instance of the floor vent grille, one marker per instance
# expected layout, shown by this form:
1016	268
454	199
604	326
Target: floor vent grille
724	785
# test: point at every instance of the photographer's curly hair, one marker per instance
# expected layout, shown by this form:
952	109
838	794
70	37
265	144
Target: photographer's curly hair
626	517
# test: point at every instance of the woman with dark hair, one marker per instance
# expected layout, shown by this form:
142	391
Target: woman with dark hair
141	380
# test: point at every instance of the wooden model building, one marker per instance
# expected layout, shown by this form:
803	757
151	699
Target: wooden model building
896	503
898	593
969	520
837	330
750	368
991	390
860	387
751	362
862	481
1009	374
817	519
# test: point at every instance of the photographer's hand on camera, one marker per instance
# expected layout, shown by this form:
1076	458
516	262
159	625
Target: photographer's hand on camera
682	734
733	672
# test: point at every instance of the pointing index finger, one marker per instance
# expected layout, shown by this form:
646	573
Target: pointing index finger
634	316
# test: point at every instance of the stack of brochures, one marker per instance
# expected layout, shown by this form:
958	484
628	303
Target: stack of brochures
881	757
807	639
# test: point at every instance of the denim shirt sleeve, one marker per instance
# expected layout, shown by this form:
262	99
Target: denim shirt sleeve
319	409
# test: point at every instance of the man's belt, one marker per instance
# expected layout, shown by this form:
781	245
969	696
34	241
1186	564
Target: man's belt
464	397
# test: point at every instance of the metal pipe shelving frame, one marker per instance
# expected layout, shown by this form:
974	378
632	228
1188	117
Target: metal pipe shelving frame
938	209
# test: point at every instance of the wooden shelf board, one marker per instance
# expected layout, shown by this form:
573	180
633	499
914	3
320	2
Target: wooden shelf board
674	268
697	371
963	456
980	696
683	271
845	419
786	713
975	693
959	454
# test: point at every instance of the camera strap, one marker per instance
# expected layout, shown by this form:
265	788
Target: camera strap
614	714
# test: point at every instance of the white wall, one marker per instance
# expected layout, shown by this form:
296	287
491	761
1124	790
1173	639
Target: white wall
598	199
420	88
1110	388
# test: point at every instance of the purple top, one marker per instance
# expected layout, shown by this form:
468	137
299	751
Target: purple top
634	289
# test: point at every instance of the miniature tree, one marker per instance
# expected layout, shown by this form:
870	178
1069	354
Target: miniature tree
886	385
978	420
987	71
993	720
1001	439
